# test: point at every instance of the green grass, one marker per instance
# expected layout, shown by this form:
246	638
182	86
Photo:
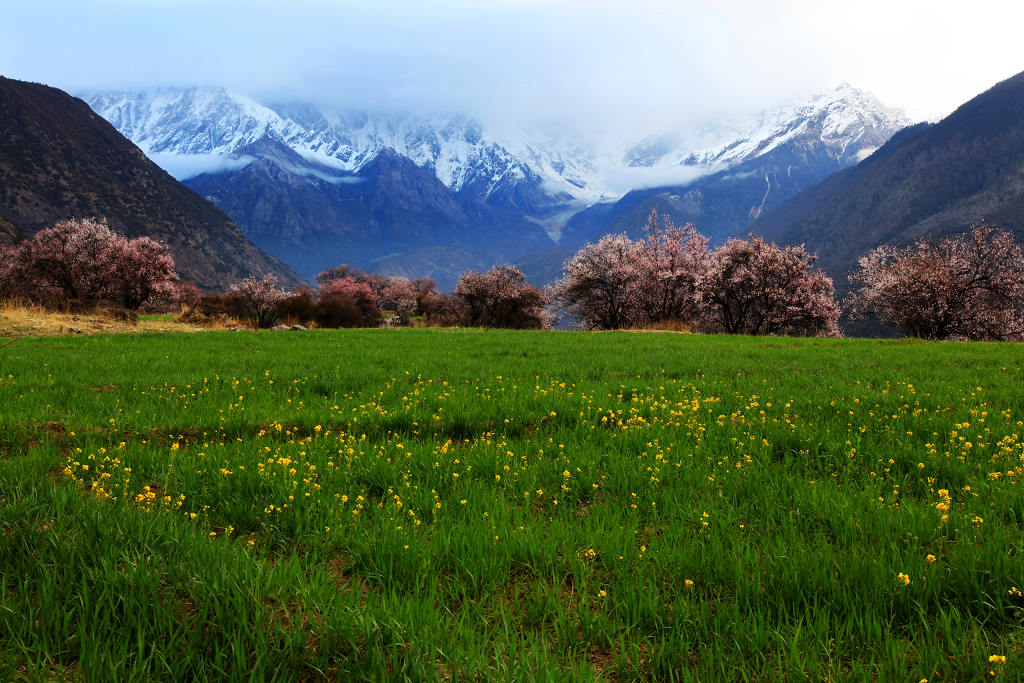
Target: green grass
421	504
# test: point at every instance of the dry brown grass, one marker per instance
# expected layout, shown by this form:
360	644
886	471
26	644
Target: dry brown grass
28	320
667	326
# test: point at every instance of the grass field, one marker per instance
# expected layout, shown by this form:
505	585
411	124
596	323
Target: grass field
420	504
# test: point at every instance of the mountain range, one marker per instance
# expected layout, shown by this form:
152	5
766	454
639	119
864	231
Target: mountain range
58	159
753	169
436	195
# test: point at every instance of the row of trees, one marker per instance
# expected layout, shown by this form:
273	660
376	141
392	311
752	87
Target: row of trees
84	260
745	286
344	297
348	297
968	286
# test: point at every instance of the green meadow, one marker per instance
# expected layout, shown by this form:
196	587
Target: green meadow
420	504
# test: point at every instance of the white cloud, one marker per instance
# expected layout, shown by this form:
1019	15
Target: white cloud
184	166
865	153
598	65
618	178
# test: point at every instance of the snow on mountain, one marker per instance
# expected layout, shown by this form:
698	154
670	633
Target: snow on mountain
547	176
194	130
193	121
851	123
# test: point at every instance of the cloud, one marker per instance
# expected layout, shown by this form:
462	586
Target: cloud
865	153
594	66
624	178
185	166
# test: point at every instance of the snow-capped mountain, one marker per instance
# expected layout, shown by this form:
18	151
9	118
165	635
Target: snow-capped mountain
746	168
195	130
848	123
191	131
317	185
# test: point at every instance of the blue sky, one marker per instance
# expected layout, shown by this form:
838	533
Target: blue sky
588	63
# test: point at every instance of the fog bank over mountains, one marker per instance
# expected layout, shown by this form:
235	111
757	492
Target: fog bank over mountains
584	66
191	131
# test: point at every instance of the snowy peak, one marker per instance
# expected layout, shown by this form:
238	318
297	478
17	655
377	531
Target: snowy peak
190	121
178	125
536	172
848	122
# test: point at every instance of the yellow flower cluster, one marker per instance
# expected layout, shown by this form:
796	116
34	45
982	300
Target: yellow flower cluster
403	450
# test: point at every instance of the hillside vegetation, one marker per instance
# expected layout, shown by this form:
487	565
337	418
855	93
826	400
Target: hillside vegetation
385	504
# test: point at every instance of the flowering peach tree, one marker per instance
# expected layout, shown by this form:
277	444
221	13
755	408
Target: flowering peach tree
756	287
501	297
10	277
600	284
261	298
400	296
70	259
669	265
968	286
84	259
140	270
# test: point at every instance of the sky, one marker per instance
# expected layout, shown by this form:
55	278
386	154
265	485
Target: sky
594	65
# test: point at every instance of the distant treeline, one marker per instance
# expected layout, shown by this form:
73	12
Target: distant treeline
968	286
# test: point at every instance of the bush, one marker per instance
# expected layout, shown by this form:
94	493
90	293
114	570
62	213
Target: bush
438	309
298	306
340	311
211	308
501	297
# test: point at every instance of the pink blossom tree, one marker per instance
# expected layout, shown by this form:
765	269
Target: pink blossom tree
668	265
423	286
968	286
351	289
400	296
376	282
348	302
70	259
756	287
11	277
85	259
140	270
260	299
501	297
338	272
599	286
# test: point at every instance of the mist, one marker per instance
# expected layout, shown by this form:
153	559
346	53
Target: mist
600	69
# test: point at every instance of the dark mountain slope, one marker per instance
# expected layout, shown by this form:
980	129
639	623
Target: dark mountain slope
720	205
59	159
928	179
380	217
